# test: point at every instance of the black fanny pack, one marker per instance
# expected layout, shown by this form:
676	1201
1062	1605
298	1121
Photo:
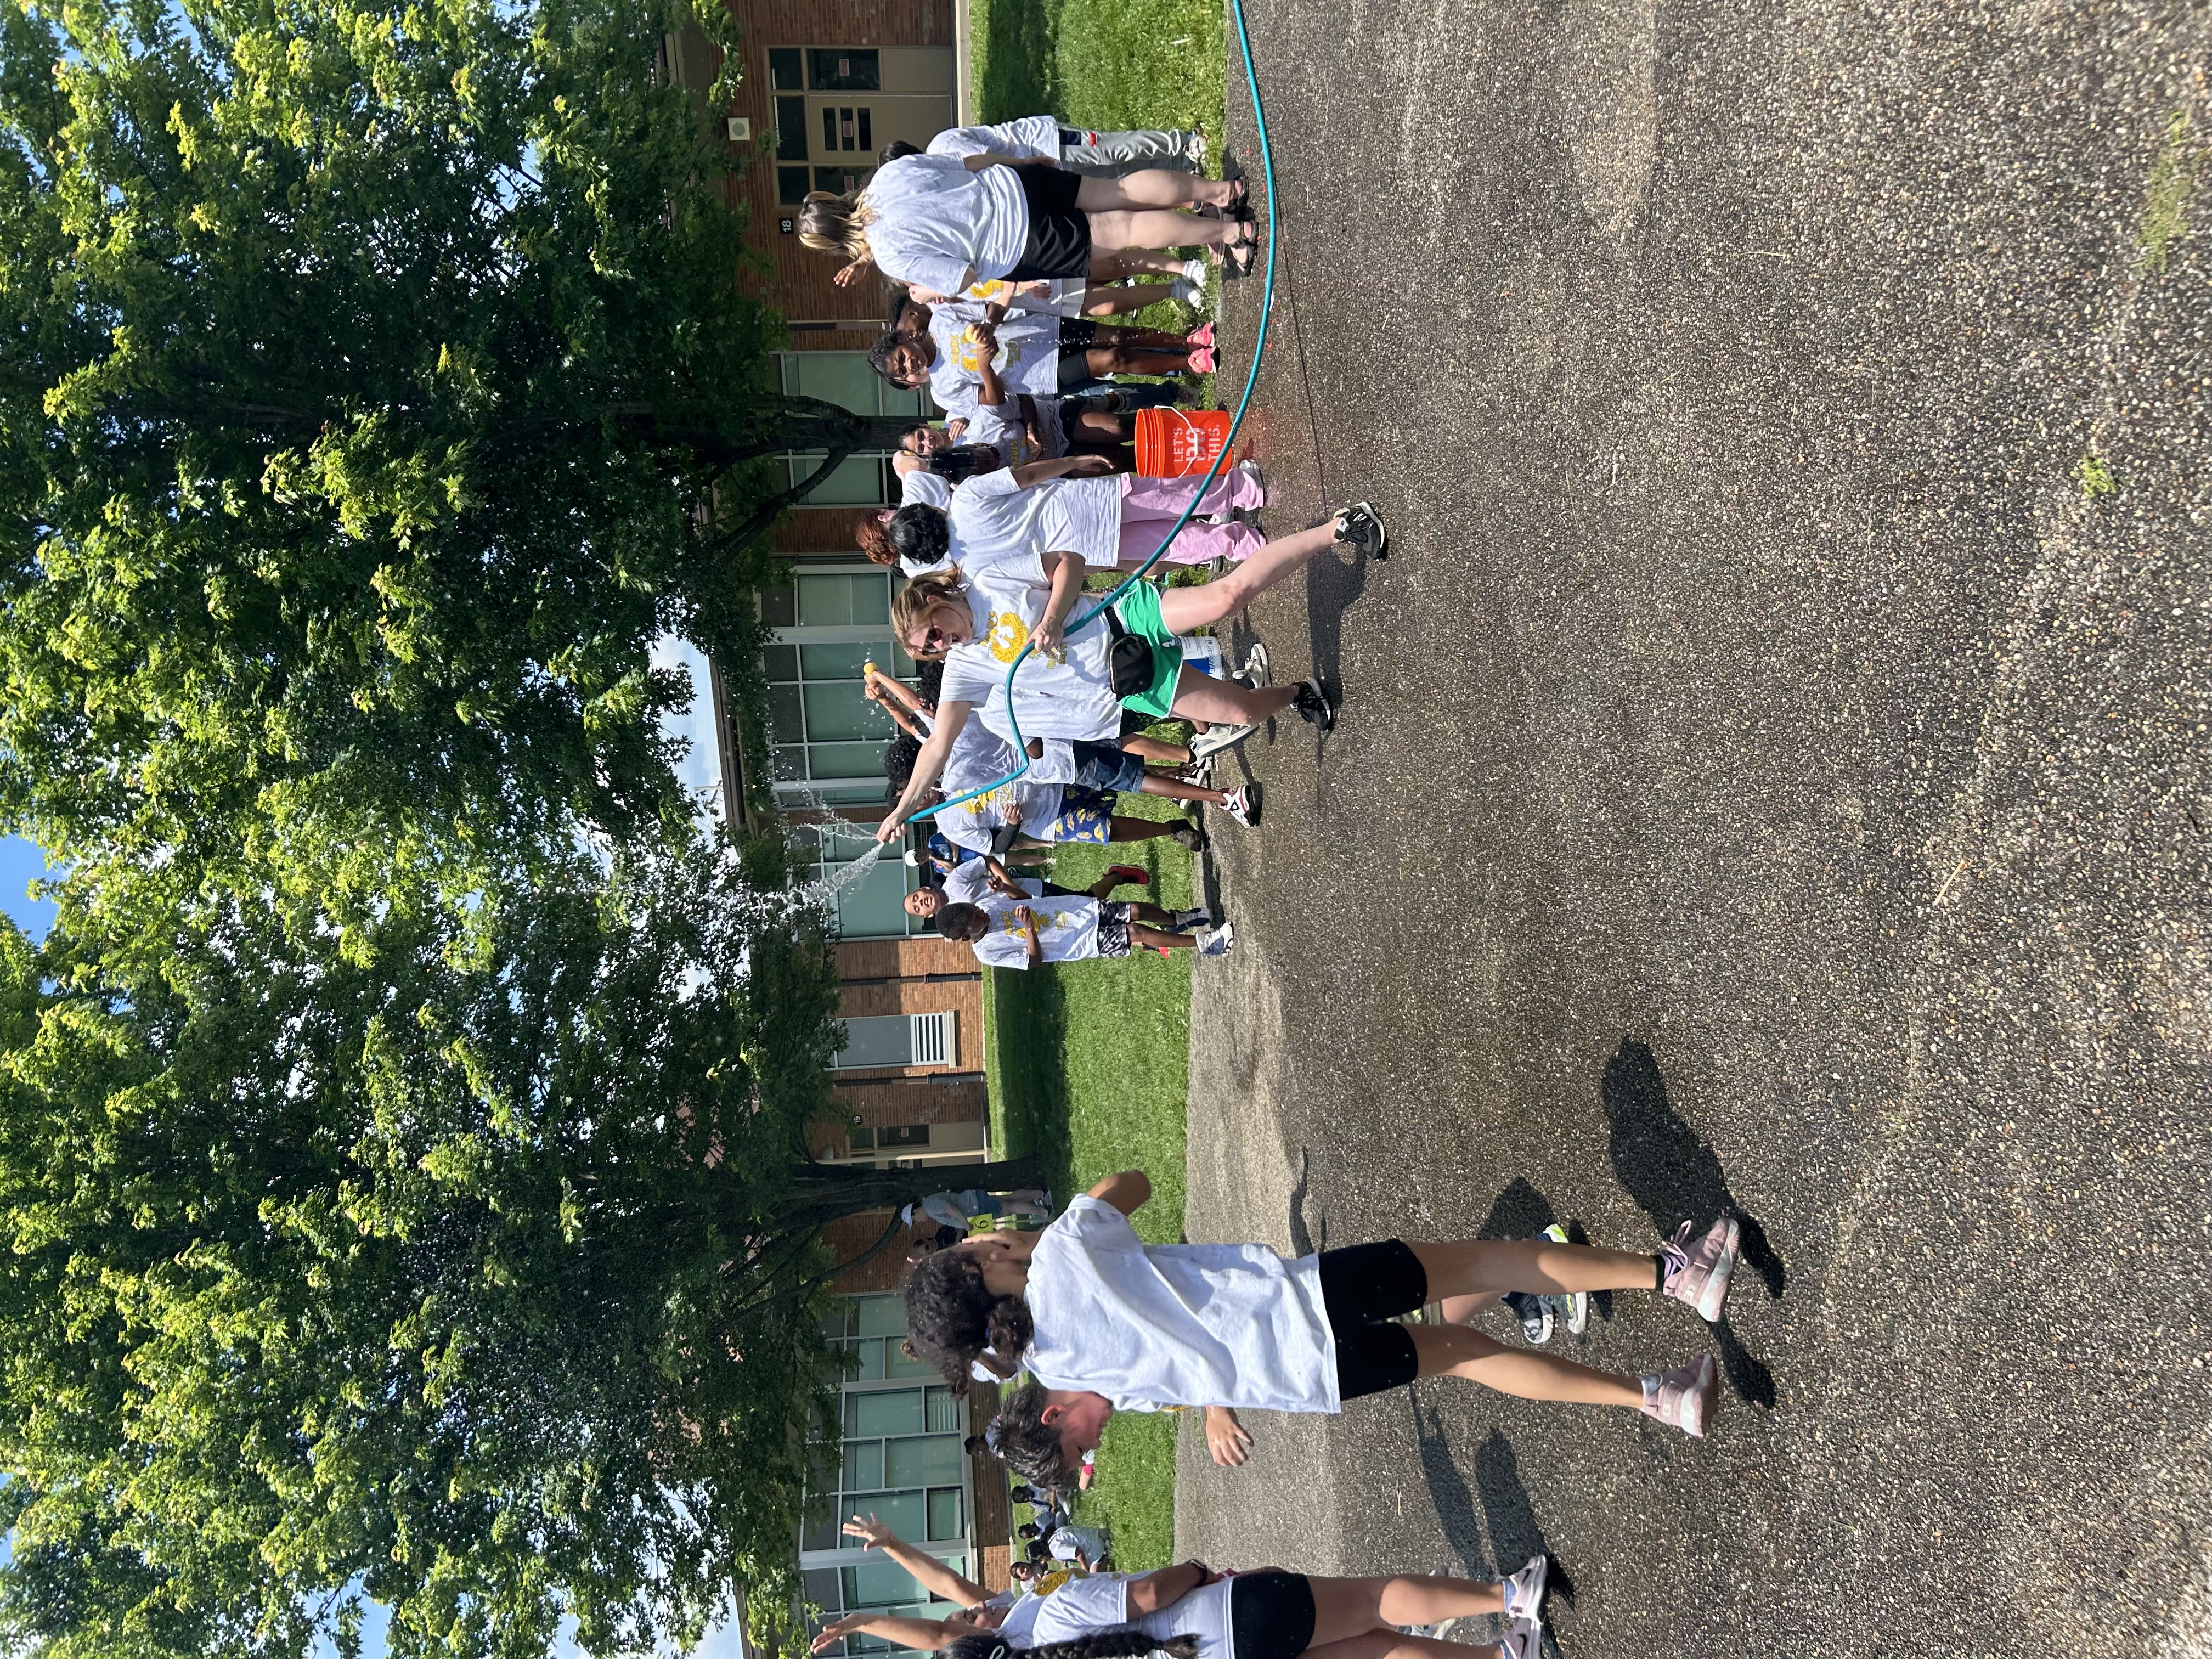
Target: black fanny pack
1130	668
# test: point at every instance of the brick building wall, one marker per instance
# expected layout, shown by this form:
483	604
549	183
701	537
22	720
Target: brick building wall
798	279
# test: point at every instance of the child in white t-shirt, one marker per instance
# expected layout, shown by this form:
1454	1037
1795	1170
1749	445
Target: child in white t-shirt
1191	1612
1107	1323
1023	933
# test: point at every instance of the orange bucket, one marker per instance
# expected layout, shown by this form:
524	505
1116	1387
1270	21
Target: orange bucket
1180	443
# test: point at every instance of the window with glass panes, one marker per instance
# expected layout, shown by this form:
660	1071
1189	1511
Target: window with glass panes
828	738
898	1457
844	377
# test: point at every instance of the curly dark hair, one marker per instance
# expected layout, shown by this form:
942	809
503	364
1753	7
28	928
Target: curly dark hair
962	462
1029	1446
920	533
951	1317
1126	1642
929	684
899	756
880	354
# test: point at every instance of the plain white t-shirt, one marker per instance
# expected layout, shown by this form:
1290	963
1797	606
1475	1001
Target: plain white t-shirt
924	486
1028	358
1160	1325
1018	526
1069	695
1032	137
1083	1607
936	222
1068	931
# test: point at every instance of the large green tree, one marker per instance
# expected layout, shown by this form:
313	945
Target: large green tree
376	381
482	1275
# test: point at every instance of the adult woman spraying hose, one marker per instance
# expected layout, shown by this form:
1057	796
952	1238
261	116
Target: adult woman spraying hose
946	222
1075	684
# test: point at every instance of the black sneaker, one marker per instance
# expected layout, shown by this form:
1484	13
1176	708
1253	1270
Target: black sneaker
1360	528
1313	706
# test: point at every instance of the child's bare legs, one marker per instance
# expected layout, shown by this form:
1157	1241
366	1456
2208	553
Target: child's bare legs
1153	187
1130	334
1200	696
1108	266
1353	1617
1471	1265
1112	301
1458	1310
1396	1645
1129	228
1157	749
1526	1373
1105	360
1092	426
1142	828
1142	937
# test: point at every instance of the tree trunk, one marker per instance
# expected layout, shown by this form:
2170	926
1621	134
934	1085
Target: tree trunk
820	1192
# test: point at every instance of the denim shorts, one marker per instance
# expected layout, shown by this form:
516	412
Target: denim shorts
1106	766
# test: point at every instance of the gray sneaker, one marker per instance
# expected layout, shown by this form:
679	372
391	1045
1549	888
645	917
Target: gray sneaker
1215	941
1523	1642
1255	665
1534	1313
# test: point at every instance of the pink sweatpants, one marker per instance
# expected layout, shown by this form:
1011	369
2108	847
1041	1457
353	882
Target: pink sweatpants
1149	506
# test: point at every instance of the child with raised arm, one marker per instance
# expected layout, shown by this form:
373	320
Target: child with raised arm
1192	1612
1105	1322
1009	1615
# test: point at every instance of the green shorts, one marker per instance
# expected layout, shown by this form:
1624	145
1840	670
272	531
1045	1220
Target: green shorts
1139	610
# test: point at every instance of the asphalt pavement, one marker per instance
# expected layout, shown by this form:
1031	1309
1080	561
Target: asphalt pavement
1774	773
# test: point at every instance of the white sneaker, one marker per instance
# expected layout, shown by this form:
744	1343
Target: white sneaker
1215	941
1191	294
1243	804
1220	738
1193	147
1255	665
1194	272
1525	1591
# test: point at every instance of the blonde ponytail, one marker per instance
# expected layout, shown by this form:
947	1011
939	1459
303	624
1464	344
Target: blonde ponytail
831	223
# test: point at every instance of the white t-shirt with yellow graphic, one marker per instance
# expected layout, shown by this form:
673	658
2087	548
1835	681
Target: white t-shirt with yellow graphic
1067	930
1027	360
1003	426
981	756
1068	695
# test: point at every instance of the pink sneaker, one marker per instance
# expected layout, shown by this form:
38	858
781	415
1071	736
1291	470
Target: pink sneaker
1682	1398
1200	336
1698	1273
1200	361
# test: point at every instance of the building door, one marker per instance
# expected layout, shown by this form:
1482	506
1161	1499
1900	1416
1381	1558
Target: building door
837	106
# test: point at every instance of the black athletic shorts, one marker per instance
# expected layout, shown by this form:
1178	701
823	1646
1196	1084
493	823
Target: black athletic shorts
1270	1615
1077	337
1362	1288
1059	243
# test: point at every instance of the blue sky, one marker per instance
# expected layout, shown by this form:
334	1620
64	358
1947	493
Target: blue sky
20	863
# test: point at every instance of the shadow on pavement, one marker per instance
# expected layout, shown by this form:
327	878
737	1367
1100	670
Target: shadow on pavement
1515	1534
1302	1238
1453	1499
1675	1177
1661	1162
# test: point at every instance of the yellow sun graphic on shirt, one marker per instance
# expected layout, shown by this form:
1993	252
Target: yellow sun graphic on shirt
1008	634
